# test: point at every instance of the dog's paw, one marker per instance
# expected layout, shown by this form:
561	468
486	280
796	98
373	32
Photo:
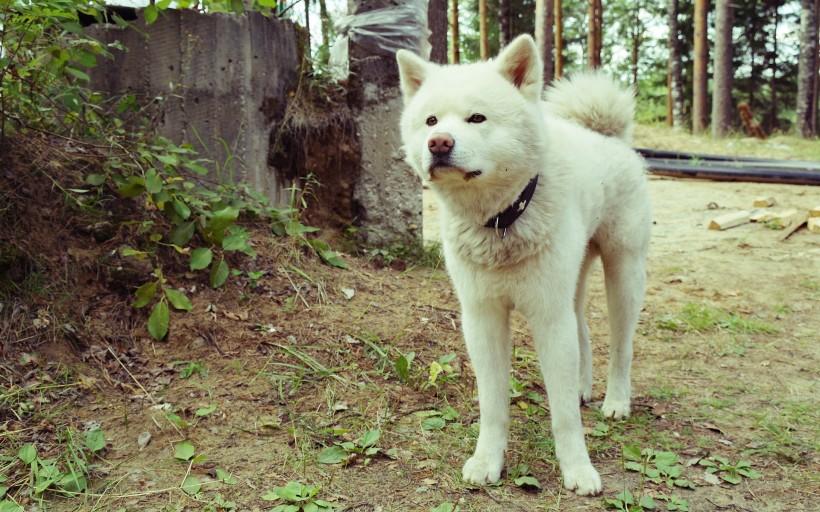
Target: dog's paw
615	409
584	480
585	393
482	470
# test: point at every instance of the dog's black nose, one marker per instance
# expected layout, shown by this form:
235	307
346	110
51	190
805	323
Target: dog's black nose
440	144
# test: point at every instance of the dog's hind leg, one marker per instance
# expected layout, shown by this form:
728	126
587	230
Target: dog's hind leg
625	277
487	334
585	350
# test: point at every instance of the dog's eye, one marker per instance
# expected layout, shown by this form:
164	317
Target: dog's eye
476	118
431	121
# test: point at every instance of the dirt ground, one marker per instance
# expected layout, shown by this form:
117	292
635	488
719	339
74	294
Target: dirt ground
727	364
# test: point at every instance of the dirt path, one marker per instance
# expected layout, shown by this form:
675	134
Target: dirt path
727	364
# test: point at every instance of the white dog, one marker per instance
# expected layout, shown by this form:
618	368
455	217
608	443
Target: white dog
530	193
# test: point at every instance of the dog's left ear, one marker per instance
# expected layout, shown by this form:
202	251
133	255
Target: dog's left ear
412	72
519	63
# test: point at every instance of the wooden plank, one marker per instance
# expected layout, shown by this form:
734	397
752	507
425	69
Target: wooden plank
730	220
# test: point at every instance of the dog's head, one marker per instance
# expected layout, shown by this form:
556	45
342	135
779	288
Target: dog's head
472	122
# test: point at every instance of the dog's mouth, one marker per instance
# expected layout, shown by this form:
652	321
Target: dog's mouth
438	171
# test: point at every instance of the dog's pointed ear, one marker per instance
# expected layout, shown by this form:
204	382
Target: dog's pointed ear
519	63
412	72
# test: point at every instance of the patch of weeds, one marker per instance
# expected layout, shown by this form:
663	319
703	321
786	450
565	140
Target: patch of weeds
446	507
656	466
297	497
728	472
628	502
190	368
218	504
67	473
441	371
703	317
437	419
521	475
423	254
348	452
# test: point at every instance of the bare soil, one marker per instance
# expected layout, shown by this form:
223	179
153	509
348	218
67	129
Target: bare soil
305	357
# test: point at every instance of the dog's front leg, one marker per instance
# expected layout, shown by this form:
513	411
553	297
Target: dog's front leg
557	347
487	334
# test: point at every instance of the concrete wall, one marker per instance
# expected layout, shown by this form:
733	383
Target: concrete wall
225	80
388	192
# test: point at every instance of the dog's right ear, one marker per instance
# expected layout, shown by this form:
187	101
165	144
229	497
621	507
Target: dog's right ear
412	72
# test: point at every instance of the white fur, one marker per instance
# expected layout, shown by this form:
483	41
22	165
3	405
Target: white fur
591	201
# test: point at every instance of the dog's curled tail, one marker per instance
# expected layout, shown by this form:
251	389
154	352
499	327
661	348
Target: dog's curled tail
594	100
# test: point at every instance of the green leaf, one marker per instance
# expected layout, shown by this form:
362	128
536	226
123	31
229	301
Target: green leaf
527	481
145	293
225	477
191	485
178	299
369	438
153	181
82	75
72	483
216	226
403	366
95	440
632	452
182	209
205	411
184	451
433	423
150	14
176	420
332	258
647	502
159	321
201	258
181	234
27	453
237	6
219	274
9	506
732	478
333	455
133	187
95	180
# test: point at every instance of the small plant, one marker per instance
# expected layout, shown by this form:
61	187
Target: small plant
348	452
437	420
627	502
67	473
728	472
656	466
441	371
190	368
446	507
521	476
297	497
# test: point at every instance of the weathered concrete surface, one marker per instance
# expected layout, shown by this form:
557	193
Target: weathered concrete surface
225	80
388	193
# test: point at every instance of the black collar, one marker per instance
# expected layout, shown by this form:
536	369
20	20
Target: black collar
506	218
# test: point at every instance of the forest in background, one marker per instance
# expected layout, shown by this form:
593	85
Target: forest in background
675	53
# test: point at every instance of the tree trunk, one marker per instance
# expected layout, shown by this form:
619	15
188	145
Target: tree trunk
675	80
307	26
723	70
806	107
700	77
437	23
544	35
483	50
326	24
559	39
504	29
455	57
636	31
594	35
771	117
